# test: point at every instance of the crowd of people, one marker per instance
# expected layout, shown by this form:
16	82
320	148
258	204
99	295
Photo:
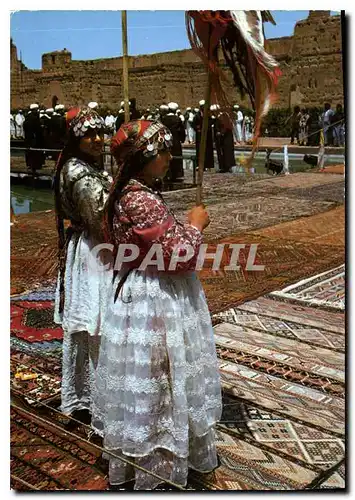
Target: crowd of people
243	125
306	126
45	129
40	129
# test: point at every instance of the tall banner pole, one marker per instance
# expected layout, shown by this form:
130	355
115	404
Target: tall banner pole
125	66
203	143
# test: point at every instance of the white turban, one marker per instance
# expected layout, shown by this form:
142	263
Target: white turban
93	105
34	106
202	103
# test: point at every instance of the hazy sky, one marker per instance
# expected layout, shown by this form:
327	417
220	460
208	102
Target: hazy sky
97	34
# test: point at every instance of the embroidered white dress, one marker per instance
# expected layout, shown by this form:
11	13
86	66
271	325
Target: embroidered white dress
83	192
158	392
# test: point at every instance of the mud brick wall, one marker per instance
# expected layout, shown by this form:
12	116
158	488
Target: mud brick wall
310	61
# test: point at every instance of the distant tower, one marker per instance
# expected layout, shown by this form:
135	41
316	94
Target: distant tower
55	60
16	67
13	56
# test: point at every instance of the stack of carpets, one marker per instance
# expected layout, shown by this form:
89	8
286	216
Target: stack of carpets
282	368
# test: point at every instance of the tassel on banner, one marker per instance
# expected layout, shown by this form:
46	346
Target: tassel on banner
238	35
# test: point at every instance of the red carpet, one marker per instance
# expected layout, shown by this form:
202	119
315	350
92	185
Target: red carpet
33	321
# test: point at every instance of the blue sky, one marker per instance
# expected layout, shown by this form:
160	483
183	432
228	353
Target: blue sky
97	34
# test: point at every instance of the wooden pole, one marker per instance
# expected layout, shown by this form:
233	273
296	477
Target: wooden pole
203	143
125	66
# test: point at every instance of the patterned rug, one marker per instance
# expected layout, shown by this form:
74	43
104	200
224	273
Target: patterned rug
236	204
280	257
241	206
334	192
327	228
257	212
302	180
324	290
44	349
283	373
285	262
335	169
34	244
281	357
42	294
47	384
49	459
222	188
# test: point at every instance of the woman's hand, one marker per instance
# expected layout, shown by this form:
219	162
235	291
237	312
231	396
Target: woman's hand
199	218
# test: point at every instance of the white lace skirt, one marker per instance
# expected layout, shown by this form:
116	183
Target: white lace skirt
158	392
87	289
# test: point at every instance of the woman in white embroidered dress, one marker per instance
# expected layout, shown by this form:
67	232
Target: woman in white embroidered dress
158	387
81	189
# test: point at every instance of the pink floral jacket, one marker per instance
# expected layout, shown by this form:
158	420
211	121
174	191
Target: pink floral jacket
142	218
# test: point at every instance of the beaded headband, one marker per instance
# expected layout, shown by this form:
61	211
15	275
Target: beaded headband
150	137
85	119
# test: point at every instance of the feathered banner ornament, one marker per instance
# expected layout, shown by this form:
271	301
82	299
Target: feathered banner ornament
239	36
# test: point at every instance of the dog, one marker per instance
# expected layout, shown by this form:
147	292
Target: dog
276	167
311	160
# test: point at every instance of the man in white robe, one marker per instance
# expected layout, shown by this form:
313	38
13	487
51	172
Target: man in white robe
110	123
239	124
12	127
189	118
19	120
